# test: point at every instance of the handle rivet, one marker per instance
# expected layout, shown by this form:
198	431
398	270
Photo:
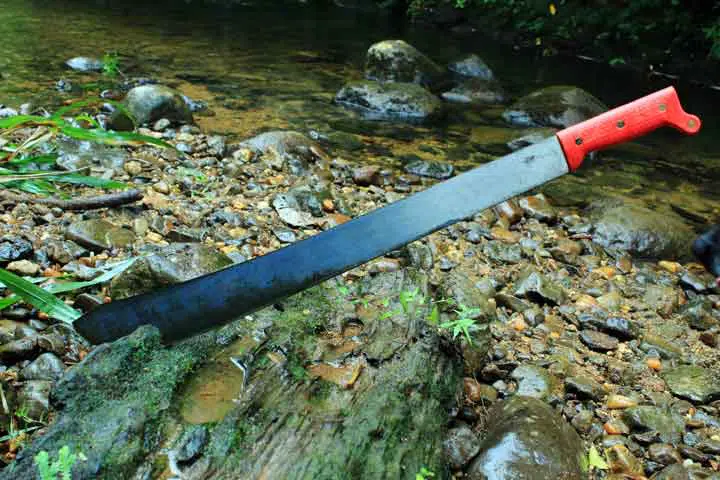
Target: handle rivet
620	123
578	141
662	107
691	123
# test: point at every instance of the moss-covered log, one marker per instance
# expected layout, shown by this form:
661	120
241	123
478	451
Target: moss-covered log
344	381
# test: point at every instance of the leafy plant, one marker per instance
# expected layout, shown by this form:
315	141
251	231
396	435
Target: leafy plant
464	322
111	64
594	460
424	474
61	466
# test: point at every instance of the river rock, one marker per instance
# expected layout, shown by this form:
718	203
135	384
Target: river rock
556	106
681	472
280	148
390	101
35	396
99	234
472	66
427	168
24	267
532	381
664	454
537	288
527	440
475	91
697	384
503	252
641	231
46	367
460	446
191	444
667	423
698	313
14	248
149	103
176	263
6	112
398	61
20	349
584	387
538	207
85	64
598	341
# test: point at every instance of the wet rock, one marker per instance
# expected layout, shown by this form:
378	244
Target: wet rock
64	251
398	61
532	381
461	446
281	148
621	460
191	444
149	103
527	440
85	64
700	284
46	367
664	454
426	168
583	421
584	387
709	339
475	91
567	251
538	207
598	341
35	396
503	252
14	248
668	424
655	344
619	327
7	112
642	232
20	349
698	314
174	264
557	106
367	175
390	101
472	66
284	235
161	124
697	384
99	234
680	472
290	211
24	267
537	288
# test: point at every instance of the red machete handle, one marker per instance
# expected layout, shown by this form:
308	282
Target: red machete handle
624	123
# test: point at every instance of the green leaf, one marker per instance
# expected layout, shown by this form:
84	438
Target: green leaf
37	187
40	160
8	301
88	181
112	138
112	271
18	120
434	317
39	298
595	460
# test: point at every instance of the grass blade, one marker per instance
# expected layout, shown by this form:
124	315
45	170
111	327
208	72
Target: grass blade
87	181
39	298
112	138
18	120
113	271
40	160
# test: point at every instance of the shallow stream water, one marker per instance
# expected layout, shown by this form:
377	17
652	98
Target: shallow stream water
261	68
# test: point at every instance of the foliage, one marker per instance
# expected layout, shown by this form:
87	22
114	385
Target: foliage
111	64
464	322
594	460
424	474
62	465
635	28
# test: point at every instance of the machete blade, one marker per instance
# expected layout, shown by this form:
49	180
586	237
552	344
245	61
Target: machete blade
203	303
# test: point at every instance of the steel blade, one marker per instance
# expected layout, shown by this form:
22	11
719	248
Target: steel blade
203	303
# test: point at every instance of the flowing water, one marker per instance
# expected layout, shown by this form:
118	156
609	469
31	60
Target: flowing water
262	69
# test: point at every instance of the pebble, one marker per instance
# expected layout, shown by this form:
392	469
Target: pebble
664	454
620	460
24	267
46	367
620	402
460	446
584	387
133	168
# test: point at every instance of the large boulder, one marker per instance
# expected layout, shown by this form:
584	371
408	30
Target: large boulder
527	440
398	61
390	101
556	106
641	231
148	103
280	148
472	66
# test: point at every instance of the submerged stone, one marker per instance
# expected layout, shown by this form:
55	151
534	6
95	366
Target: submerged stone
398	61
390	101
149	103
99	234
556	106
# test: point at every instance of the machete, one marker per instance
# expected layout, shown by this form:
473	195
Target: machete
208	301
